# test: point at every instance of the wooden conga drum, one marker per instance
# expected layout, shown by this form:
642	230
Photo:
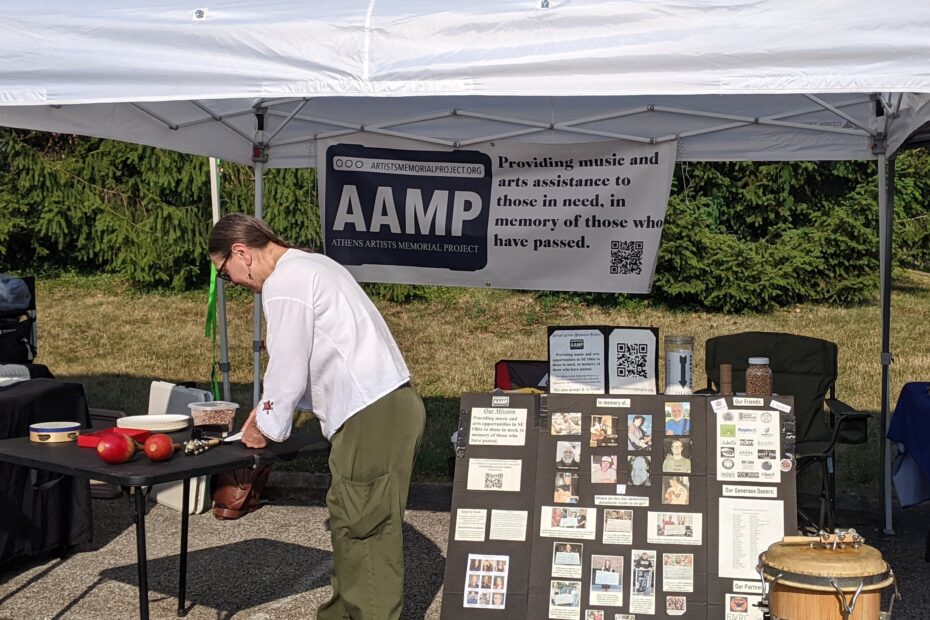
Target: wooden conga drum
808	581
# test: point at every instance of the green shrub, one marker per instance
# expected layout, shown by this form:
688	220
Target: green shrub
738	236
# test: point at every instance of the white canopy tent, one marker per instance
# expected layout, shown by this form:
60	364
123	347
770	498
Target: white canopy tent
260	84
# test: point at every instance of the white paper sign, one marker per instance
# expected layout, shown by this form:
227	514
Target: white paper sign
470	524
780	406
494	474
643	581
564	600
747	527
747	587
631	361
494	426
742	607
577	523
748	445
678	572
674	528
621	500
508	524
566	559
620	403
576	361
734	490
618	527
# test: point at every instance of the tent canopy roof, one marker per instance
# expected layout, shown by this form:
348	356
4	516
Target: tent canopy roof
764	79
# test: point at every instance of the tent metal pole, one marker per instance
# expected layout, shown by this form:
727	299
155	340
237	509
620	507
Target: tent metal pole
220	285
257	299
886	210
259	157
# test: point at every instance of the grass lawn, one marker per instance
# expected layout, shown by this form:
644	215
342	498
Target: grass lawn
98	331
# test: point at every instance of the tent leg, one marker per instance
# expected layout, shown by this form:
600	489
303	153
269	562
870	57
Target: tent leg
885	220
257	300
220	284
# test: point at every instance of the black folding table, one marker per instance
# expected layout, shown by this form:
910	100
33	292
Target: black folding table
71	460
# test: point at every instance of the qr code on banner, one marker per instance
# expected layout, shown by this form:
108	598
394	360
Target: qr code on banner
626	257
493	481
632	359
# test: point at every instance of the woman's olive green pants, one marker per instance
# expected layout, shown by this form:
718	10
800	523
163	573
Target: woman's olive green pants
371	462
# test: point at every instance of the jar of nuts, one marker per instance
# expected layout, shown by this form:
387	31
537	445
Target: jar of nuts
214	412
758	377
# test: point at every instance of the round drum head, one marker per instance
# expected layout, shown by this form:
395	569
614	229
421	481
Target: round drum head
809	567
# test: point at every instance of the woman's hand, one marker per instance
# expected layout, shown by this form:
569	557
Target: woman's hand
251	436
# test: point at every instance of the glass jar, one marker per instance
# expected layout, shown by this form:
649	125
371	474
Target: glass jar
758	377
679	357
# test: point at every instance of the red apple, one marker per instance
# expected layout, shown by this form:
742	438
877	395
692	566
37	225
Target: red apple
115	448
159	447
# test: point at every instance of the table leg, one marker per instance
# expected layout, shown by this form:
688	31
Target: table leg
182	569
141	565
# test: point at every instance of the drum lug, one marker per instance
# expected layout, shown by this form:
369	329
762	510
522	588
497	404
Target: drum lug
886	615
763	603
847	609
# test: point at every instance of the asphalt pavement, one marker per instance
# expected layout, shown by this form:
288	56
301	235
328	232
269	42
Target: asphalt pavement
274	564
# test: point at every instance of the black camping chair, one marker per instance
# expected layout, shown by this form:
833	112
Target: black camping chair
805	368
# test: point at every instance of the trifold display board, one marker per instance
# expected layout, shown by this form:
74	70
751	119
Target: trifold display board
608	507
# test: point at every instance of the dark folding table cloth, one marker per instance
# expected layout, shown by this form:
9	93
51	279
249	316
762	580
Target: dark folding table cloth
42	511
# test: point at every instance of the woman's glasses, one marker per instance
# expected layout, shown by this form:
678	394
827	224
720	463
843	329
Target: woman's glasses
221	272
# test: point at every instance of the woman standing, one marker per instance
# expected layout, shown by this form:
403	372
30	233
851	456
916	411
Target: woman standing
331	352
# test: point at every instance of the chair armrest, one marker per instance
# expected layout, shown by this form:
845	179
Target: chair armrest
851	426
839	408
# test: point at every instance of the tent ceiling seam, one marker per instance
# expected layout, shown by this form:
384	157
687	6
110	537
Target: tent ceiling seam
366	49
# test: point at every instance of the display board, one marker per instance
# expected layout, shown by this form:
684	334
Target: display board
607	507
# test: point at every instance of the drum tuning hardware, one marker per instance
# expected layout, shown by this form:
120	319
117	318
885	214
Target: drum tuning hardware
199	446
839	539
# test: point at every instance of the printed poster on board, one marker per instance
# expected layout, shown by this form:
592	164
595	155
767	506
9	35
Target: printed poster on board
582	217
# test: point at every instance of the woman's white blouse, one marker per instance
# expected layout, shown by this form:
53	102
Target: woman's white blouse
329	349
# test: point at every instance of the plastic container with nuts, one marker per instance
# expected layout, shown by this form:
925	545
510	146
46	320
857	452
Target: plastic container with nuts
214	412
758	377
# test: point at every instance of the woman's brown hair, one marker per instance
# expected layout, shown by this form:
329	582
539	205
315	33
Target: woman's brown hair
241	228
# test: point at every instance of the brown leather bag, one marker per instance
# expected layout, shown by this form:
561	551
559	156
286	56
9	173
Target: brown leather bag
236	493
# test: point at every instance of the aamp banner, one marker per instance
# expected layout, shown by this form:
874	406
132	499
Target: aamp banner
580	217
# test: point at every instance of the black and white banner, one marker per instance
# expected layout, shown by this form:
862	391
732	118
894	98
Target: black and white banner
581	217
